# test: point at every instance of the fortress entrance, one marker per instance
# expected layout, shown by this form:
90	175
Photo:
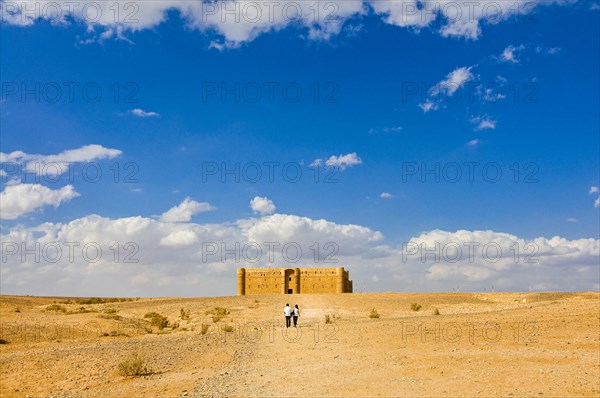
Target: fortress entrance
288	281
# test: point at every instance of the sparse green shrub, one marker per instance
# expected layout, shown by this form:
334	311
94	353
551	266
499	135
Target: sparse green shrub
157	320
110	316
135	365
374	314
175	325
331	318
415	307
82	310
100	300
56	307
218	311
110	311
185	314
114	333
222	311
227	328
436	312
91	300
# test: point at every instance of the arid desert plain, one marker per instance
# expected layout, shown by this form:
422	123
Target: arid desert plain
359	345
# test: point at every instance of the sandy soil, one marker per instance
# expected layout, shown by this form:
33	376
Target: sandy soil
494	344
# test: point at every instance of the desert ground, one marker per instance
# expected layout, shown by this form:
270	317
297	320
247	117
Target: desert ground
480	344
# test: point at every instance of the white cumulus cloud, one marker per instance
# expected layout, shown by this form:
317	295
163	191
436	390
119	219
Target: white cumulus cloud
457	19
235	22
180	238
184	211
483	123
447	87
142	113
158	258
454	81
429	106
348	239
510	54
20	199
343	161
262	206
473	143
595	190
54	165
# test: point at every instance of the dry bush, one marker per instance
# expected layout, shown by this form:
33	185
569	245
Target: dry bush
114	333
204	328
157	320
436	312
56	307
82	310
374	313
100	300
415	307
110	316
2	341
216	318
331	318
135	365
220	311
227	328
185	314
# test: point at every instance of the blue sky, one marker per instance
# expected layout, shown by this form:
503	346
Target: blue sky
396	96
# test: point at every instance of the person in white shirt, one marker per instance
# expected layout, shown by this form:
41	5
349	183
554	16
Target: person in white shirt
287	311
296	314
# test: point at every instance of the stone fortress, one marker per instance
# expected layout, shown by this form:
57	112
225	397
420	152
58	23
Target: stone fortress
293	280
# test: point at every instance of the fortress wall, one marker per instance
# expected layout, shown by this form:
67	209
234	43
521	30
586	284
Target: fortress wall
318	280
294	280
264	281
